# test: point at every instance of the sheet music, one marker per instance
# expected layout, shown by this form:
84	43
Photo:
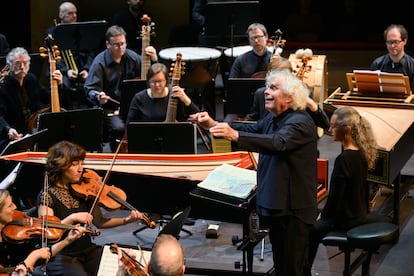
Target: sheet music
230	180
109	261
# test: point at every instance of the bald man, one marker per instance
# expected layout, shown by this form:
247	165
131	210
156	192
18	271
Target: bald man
167	257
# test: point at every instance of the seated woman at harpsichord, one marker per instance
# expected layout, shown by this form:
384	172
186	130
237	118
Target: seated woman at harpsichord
396	60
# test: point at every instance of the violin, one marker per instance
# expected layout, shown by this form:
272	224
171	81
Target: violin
89	187
132	266
24	227
148	222
5	271
111	197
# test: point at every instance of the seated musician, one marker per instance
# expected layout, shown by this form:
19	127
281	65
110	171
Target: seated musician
255	60
20	258
396	60
109	68
21	96
64	167
74	65
152	104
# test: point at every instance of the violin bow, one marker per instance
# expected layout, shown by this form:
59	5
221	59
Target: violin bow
105	179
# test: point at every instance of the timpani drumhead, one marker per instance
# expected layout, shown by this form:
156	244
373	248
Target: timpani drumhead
201	63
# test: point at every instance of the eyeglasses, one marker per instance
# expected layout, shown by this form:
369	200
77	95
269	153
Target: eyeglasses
393	42
154	82
20	63
118	45
256	37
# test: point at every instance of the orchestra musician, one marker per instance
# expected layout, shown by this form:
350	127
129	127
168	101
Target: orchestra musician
396	60
255	60
151	104
109	68
11	253
64	166
21	96
74	65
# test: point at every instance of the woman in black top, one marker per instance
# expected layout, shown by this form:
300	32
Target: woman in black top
348	200
151	104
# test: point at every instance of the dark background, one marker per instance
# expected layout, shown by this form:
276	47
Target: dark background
323	21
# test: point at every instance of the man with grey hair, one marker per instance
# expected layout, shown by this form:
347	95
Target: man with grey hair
286	140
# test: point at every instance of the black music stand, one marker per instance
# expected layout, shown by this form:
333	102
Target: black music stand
175	225
230	19
25	143
81	126
80	36
128	89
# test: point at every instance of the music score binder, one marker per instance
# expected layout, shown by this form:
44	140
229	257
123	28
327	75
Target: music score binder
377	83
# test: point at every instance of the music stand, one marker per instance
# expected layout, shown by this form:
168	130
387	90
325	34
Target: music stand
237	15
27	142
240	93
175	225
80	36
128	89
162	137
81	126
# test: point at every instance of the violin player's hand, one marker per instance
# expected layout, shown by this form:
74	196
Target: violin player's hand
122	269
75	233
133	216
80	217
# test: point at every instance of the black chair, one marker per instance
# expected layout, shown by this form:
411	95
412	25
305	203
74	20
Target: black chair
367	237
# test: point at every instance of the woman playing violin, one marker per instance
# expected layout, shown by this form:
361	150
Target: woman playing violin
64	166
10	253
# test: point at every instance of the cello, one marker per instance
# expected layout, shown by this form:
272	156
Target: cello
53	54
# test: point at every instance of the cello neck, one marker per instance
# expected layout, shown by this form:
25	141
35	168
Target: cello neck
54	92
176	73
146	38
